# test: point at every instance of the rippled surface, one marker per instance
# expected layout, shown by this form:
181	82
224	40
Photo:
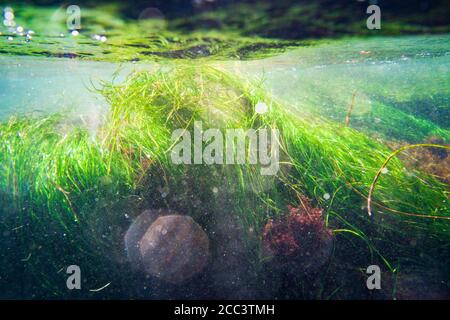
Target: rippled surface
388	77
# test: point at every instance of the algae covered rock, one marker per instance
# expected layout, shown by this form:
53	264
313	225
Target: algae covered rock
170	247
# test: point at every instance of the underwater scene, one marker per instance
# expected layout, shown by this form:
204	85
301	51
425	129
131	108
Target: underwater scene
225	149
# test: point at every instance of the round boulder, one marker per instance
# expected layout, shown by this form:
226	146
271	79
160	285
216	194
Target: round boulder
171	247
134	234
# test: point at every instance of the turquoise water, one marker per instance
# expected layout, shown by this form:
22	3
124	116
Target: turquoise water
390	78
46	85
384	79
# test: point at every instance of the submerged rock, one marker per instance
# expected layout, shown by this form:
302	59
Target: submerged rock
170	247
432	160
135	233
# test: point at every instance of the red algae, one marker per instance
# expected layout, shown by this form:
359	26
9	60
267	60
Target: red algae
300	237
